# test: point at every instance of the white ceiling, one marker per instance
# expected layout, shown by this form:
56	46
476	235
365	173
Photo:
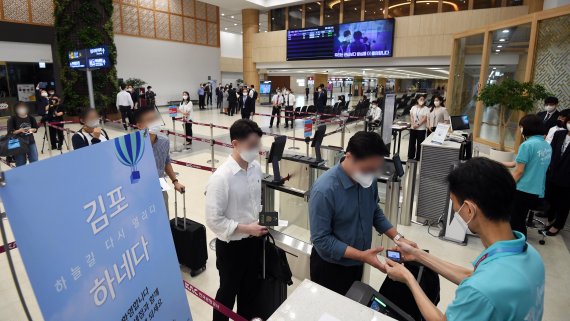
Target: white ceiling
373	72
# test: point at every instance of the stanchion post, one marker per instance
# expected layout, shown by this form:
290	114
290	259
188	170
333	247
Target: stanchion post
48	130
68	135
294	136
174	131
213	159
342	134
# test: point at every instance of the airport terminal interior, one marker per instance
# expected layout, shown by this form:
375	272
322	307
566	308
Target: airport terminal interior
444	84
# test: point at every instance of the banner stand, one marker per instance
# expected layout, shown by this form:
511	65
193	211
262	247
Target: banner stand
9	257
212	159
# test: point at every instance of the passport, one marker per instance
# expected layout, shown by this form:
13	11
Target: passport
268	218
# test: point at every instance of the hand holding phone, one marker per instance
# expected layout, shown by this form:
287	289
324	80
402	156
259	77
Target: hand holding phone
395	256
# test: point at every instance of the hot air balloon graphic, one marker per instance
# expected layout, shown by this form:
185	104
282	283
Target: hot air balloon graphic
130	150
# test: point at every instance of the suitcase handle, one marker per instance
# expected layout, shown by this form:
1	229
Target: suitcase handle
184	208
175	208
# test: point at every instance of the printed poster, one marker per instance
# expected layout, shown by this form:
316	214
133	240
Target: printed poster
92	229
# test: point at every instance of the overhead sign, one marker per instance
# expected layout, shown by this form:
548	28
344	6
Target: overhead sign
105	250
92	58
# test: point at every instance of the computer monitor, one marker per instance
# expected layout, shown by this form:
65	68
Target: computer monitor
460	122
275	155
318	140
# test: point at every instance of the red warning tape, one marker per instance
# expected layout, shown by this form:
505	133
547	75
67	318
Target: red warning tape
212	302
192	165
11	246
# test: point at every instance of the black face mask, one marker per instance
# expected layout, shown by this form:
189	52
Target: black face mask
560	123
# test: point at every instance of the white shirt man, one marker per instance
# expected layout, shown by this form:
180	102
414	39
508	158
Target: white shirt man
289	102
124	99
233	203
125	106
375	113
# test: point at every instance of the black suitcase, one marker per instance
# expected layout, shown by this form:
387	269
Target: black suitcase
189	240
400	293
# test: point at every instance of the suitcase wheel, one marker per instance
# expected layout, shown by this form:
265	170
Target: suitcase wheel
194	273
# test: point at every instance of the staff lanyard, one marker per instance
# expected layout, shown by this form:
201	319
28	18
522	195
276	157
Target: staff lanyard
512	249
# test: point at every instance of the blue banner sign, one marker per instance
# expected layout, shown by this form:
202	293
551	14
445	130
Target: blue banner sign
103	249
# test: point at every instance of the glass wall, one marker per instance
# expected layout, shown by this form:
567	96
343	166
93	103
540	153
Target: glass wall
332	12
278	19
425	7
399	8
507	59
18	81
313	14
484	4
374	9
295	17
352	11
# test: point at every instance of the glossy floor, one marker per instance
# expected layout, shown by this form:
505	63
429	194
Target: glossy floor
555	254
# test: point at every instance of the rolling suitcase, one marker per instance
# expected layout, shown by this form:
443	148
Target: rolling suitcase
189	240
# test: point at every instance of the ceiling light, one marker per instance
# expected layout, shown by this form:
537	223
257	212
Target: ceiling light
232	17
497	50
223	14
500	46
235	24
506	31
502	40
225	28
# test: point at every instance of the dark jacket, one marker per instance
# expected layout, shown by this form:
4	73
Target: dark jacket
41	103
321	101
232	99
79	139
559	169
551	121
247	105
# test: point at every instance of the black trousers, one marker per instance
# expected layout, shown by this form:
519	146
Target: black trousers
209	99
523	203
232	110
289	113
56	136
335	277
558	208
238	264
126	112
219	101
201	101
188	130
245	114
276	111
417	137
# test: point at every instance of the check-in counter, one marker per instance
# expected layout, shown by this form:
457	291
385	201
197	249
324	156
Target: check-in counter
312	302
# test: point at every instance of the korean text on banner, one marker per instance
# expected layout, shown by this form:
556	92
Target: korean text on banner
104	251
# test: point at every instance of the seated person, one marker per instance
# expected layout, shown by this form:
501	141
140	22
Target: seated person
374	116
507	279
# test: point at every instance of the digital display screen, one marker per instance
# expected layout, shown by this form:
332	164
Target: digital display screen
97	57
460	122
393	255
377	305
101	62
265	87
367	39
80	63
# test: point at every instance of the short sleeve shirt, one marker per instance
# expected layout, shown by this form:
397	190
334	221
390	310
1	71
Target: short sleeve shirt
161	151
535	153
505	286
417	113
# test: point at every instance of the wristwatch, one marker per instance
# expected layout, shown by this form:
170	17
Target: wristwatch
398	237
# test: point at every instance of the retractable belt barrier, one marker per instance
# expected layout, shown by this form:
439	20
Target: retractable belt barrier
189	287
192	165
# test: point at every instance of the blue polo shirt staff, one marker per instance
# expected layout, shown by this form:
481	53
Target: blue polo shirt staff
343	210
507	279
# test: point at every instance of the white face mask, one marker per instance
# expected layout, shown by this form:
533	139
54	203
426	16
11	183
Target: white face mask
521	130
22	112
245	94
93	123
184	97
154	128
249	155
374	106
568	126
437	103
461	221
44	94
550	108
421	102
365	180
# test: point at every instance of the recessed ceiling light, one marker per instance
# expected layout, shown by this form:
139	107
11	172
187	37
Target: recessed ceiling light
502	40
223	14
506	31
232	17
235	24
497	50
500	46
225	28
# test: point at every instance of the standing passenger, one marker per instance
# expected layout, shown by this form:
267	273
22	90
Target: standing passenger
23	125
186	109
438	114
125	106
419	118
91	133
233	203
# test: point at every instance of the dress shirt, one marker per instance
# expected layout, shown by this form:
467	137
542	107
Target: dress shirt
187	108
233	196
343	213
124	99
201	91
551	133
376	113
290	100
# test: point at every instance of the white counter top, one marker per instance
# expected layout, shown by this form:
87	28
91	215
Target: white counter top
446	144
312	302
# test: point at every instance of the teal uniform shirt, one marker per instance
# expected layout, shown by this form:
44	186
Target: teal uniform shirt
535	153
507	285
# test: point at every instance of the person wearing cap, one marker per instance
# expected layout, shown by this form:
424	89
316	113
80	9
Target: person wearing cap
507	279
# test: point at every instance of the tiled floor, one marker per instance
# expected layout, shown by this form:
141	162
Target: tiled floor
555	254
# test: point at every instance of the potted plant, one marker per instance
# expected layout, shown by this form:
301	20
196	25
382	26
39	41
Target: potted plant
510	96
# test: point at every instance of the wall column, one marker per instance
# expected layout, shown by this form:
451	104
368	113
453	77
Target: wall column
321	79
250	26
